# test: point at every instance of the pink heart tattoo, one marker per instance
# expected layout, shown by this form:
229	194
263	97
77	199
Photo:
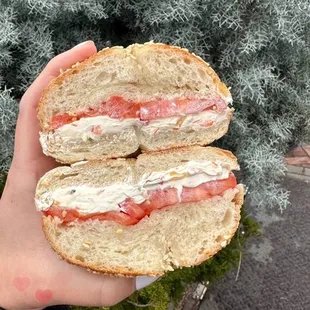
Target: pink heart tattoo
21	283
43	296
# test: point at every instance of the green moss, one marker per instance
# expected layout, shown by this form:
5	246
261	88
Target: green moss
171	287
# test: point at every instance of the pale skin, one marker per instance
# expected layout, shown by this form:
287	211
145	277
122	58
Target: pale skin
32	275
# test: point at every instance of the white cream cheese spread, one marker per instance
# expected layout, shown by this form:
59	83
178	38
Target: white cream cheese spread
93	128
191	121
89	199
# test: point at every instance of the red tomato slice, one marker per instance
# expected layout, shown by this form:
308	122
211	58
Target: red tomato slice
167	108
115	107
159	199
159	109
131	212
195	105
208	189
132	209
118	107
194	194
61	119
68	216
65	215
215	188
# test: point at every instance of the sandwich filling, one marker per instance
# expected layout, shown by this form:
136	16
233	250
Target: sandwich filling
117	114
128	202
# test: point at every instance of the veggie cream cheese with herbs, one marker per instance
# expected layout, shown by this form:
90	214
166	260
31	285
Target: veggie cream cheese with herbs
91	129
89	199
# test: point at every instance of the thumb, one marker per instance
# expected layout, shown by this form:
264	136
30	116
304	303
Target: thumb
143	281
77	286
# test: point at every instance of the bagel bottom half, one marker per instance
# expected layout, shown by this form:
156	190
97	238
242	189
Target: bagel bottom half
182	235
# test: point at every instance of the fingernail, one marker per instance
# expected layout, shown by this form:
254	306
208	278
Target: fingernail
143	281
83	43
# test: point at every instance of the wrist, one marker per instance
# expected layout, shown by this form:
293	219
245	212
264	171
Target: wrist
9	299
3	290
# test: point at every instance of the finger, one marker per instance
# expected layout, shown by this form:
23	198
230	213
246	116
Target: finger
98	290
75	285
144	281
103	290
27	147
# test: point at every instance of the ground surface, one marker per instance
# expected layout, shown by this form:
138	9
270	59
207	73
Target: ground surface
275	268
298	162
